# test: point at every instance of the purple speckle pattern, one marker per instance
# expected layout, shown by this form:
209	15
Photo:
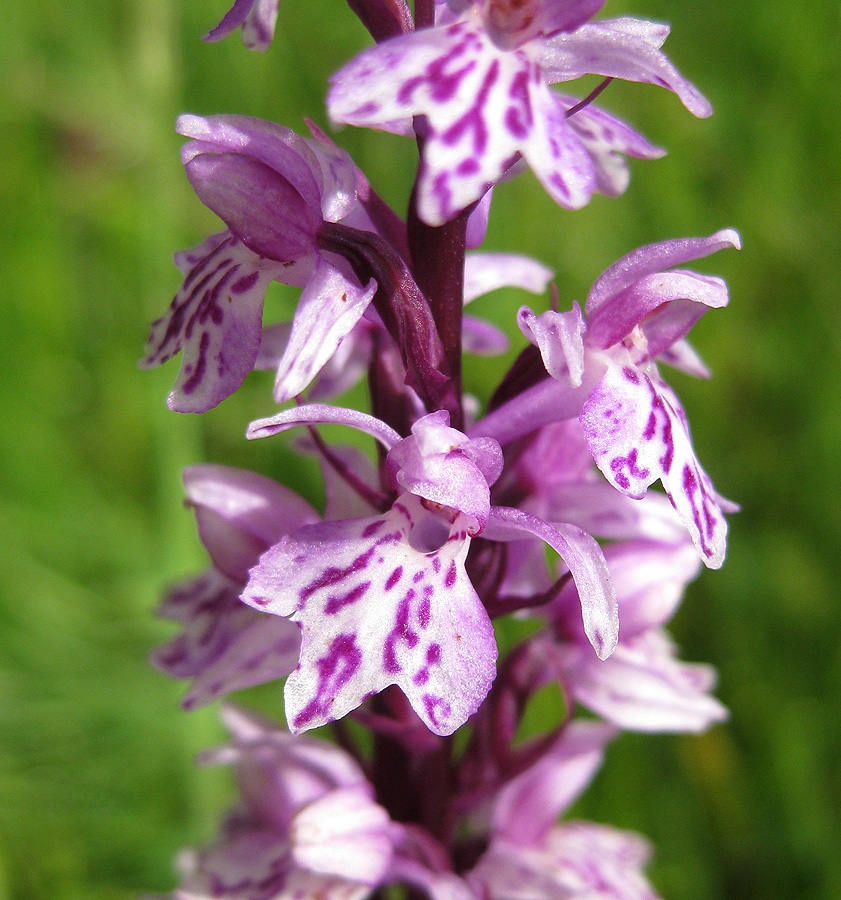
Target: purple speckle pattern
637	432
483	106
215	320
374	611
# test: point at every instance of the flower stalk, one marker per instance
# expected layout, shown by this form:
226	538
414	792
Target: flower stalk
381	608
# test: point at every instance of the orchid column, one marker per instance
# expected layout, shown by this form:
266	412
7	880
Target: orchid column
381	607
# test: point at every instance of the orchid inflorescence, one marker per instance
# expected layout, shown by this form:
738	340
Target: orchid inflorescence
380	610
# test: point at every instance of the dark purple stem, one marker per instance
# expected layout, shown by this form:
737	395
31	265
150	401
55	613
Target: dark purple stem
384	19
403	310
438	267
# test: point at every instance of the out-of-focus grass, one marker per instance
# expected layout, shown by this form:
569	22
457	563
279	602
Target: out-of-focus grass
97	789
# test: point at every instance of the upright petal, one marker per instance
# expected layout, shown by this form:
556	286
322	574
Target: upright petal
617	48
651	259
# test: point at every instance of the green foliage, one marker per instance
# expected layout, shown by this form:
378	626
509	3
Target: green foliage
97	786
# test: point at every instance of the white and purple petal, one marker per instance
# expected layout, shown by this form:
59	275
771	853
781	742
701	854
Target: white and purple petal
216	320
486	272
617	48
331	305
560	339
576	861
240	514
345	834
637	433
380	601
528	806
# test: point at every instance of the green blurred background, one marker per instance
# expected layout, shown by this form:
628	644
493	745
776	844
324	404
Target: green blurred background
97	787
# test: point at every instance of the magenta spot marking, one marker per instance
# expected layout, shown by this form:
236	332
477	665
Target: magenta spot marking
422	676
335	669
401	633
450	577
261	601
202	263
631	374
373	528
367	109
473	120
467	167
201	365
433	654
622	464
425	609
436	564
245	283
335	603
334	574
392	579
209	307
435	707
418	576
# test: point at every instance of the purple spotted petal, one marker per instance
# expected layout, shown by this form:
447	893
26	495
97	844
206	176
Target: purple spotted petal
257	18
529	805
553	150
240	514
380	601
319	414
265	650
279	774
586	562
665	304
256	864
331	305
636	431
215	319
467	149
486	272
651	259
617	48
209	608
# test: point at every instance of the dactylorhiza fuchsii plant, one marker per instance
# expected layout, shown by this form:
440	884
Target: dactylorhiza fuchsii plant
380	609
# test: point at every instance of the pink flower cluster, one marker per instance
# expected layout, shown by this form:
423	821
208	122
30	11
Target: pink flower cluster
381	607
